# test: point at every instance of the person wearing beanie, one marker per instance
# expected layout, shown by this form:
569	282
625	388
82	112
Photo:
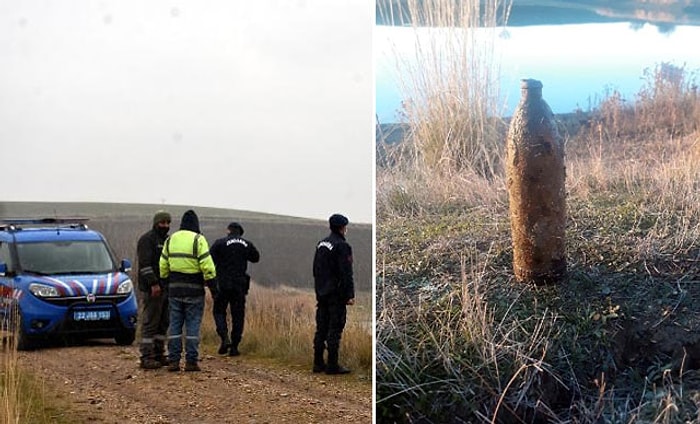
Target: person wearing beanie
231	255
154	300
335	289
187	266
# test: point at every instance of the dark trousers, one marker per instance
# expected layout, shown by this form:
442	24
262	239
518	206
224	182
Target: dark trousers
154	326
330	321
236	300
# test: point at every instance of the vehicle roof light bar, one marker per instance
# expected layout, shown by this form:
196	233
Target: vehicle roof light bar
14	224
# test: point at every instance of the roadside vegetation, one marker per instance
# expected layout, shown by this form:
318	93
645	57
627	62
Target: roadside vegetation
280	325
458	340
22	395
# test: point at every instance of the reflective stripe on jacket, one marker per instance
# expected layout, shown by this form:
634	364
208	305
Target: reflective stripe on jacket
186	252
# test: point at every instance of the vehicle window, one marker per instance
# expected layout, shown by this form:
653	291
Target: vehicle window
73	257
5	256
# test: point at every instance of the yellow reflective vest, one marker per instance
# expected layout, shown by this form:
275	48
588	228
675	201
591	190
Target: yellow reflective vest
186	252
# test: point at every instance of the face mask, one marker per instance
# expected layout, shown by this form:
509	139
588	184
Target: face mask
162	231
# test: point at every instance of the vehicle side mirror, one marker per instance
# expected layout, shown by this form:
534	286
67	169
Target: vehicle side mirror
3	269
125	265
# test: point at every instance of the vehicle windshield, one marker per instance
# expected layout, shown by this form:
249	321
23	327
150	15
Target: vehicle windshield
65	257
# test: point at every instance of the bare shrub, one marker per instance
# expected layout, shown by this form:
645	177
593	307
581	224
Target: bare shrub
452	85
667	103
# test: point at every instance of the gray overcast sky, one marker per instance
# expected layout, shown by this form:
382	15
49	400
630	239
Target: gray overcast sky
261	105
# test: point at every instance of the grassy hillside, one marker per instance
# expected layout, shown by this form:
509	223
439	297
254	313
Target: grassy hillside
286	243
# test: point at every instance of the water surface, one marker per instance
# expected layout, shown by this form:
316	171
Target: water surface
578	62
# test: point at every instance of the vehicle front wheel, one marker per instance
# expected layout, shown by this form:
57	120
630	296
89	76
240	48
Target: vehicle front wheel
125	338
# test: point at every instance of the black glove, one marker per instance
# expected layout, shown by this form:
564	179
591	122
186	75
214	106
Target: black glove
213	288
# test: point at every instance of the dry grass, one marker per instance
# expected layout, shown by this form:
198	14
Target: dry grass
459	341
452	85
10	381
280	325
22	398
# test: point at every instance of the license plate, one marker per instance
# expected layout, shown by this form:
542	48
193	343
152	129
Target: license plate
91	315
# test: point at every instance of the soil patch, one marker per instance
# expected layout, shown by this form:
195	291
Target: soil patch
103	384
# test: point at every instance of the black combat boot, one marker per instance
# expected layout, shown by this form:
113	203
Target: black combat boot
234	350
235	341
319	365
224	346
192	366
160	355
150	364
162	360
333	367
148	357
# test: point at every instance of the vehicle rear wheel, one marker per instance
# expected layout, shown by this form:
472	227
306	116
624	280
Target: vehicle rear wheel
125	338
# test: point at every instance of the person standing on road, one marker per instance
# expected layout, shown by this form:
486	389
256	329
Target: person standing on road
231	255
335	290
154	300
187	265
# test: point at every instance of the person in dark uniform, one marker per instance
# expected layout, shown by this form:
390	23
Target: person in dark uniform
231	255
335	289
154	300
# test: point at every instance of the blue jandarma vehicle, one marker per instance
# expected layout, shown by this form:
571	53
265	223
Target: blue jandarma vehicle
59	278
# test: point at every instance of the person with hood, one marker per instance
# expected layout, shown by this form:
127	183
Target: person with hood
154	299
187	266
231	255
335	289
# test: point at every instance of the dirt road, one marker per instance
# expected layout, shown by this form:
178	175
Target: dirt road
103	384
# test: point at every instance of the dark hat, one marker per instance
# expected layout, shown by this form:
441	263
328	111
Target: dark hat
161	216
235	228
190	221
337	220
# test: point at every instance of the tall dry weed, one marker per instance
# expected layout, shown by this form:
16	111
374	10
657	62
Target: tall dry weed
451	84
667	103
18	397
11	401
280	324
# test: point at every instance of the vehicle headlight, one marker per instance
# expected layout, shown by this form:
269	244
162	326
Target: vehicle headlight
125	287
42	290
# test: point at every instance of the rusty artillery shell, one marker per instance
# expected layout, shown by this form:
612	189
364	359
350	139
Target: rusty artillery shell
536	176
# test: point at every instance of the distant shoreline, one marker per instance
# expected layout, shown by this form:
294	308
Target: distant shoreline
532	12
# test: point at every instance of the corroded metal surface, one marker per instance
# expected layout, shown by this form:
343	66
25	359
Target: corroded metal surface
535	178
